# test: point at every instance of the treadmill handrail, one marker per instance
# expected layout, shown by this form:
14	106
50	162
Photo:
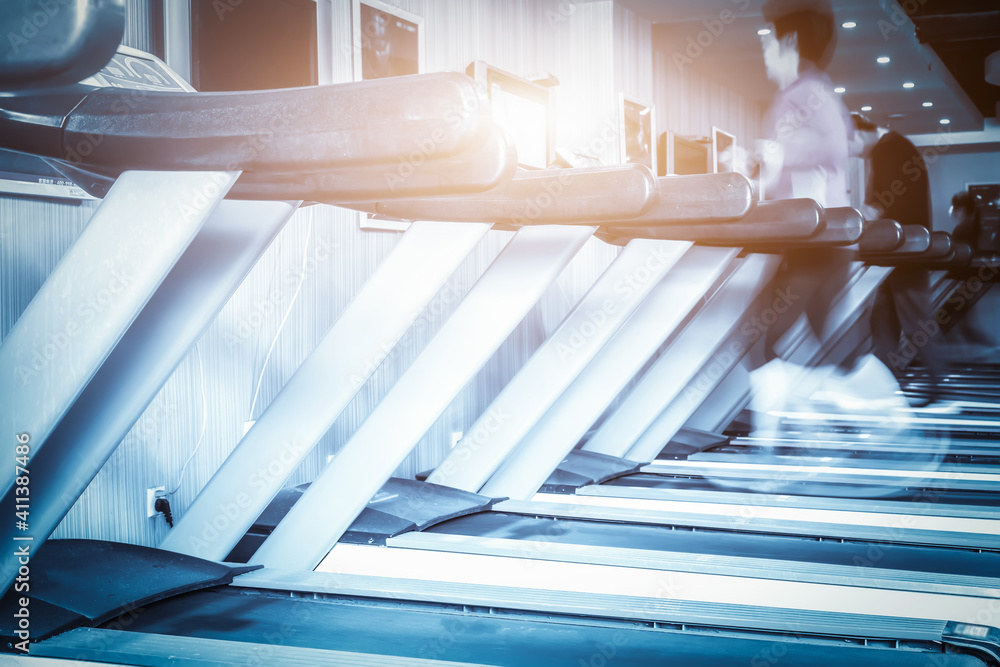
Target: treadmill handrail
292	130
772	222
583	196
881	236
916	239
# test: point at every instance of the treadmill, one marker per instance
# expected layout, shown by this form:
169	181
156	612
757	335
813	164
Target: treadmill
240	612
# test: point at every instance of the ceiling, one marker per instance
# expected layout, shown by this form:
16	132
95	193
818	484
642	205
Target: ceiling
940	47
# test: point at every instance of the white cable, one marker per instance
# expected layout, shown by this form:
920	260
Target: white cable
302	278
204	421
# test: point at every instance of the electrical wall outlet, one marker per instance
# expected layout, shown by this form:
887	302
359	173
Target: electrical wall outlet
154	493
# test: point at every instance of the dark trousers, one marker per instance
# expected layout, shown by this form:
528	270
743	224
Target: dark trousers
902	307
811	279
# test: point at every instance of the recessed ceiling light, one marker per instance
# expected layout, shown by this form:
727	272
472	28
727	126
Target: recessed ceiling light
849	24
882	60
764	31
897	115
866	108
945	121
928	105
909	84
840	89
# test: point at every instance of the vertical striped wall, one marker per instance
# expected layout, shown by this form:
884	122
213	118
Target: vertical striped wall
138	18
689	103
596	50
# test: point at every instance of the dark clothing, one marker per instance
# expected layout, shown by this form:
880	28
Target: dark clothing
902	305
967	231
899	182
813	278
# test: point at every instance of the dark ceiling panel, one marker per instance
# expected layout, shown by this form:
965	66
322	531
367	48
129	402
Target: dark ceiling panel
963	34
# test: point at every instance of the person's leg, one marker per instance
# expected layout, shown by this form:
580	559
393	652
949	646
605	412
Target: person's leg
791	291
828	271
885	327
911	291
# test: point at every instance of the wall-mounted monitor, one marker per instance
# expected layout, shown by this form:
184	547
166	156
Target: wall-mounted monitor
723	145
524	109
253	44
387	41
637	132
691	155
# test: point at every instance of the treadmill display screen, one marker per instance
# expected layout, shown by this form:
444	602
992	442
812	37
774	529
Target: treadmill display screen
637	134
390	44
526	120
522	107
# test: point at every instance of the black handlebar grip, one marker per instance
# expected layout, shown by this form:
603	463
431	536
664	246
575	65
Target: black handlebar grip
881	236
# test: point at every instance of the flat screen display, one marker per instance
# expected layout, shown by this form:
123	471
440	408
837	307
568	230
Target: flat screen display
523	108
253	45
723	145
638	146
526	120
388	42
690	156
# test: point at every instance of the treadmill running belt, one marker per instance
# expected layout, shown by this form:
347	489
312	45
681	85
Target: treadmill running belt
721	543
516	640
